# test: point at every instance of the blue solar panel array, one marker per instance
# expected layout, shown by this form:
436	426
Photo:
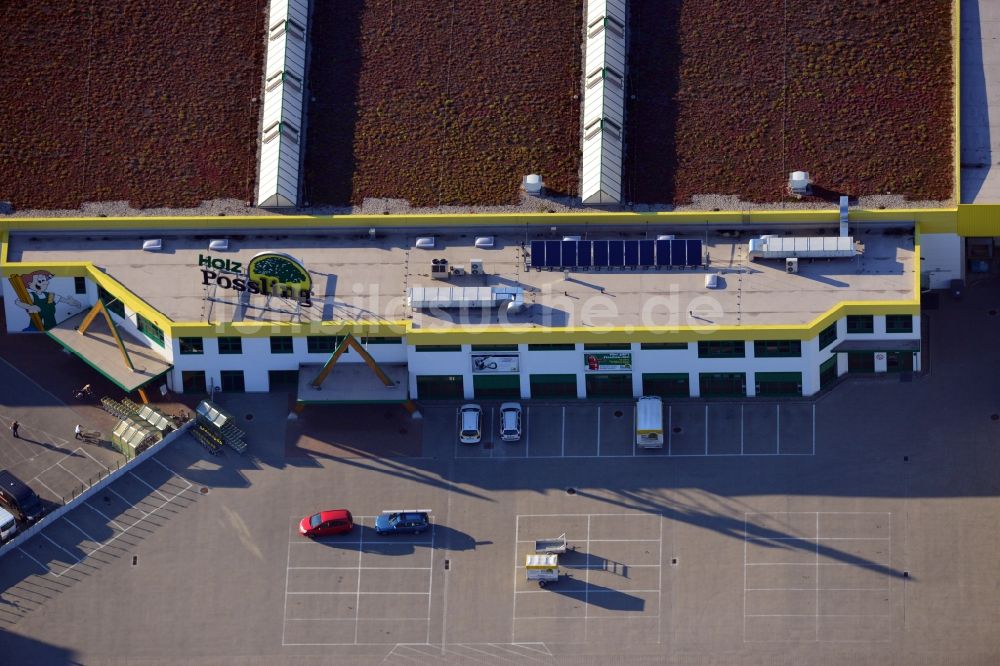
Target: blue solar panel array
615	253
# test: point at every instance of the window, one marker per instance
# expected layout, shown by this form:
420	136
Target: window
111	302
192	345
828	335
664	345
281	344
860	324
556	347
613	346
149	329
80	285
899	323
721	349
776	348
232	381
506	348
322	344
381	341
438	348
231	345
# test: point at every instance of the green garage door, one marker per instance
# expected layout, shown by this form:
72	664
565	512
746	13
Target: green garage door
282	380
440	387
722	384
497	386
666	385
861	361
828	372
617	385
778	383
553	386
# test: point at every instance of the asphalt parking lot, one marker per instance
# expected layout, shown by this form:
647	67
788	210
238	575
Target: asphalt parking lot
607	430
869	539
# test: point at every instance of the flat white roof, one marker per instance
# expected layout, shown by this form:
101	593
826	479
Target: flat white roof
356	278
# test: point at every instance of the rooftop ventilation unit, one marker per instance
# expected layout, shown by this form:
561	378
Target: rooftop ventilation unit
665	237
218	244
476	267
439	269
485	242
791	265
799	183
572	238
533	183
815	247
425	242
453	298
152	244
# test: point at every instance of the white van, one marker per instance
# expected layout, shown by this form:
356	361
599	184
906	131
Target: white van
8	525
649	422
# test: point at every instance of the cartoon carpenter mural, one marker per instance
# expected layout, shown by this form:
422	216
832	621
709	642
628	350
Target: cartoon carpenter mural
42	301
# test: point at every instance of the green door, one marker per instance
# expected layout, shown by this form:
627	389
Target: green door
616	385
899	361
553	386
666	385
778	383
828	372
193	381
440	387
497	386
722	384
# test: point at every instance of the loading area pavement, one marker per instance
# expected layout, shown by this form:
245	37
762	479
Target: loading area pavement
874	548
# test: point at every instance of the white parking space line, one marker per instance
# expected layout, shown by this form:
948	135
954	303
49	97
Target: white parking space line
80	530
527	435
357	596
51	466
430	587
564	431
134	506
777	429
670	429
284	614
78	560
147	485
70	472
706	429
106	516
46	486
175	474
30	557
84	451
598	431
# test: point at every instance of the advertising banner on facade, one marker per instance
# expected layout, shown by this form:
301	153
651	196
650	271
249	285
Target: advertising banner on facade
608	361
495	363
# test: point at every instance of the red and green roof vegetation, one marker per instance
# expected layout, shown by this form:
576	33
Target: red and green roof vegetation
150	101
729	96
442	105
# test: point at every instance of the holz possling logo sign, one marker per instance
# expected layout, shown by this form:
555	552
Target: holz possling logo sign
268	274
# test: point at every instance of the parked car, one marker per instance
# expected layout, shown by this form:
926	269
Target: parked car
471	424
403	521
19	499
8	525
510	421
327	523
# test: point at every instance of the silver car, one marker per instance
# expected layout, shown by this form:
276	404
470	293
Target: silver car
510	421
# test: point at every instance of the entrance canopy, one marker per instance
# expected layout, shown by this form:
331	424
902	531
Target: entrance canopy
352	383
98	349
878	346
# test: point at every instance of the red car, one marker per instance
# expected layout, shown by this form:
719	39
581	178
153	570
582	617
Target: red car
326	523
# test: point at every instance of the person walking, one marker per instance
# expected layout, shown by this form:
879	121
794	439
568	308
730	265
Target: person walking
14	427
79	431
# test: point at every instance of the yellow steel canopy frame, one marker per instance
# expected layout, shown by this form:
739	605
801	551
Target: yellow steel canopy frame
89	319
